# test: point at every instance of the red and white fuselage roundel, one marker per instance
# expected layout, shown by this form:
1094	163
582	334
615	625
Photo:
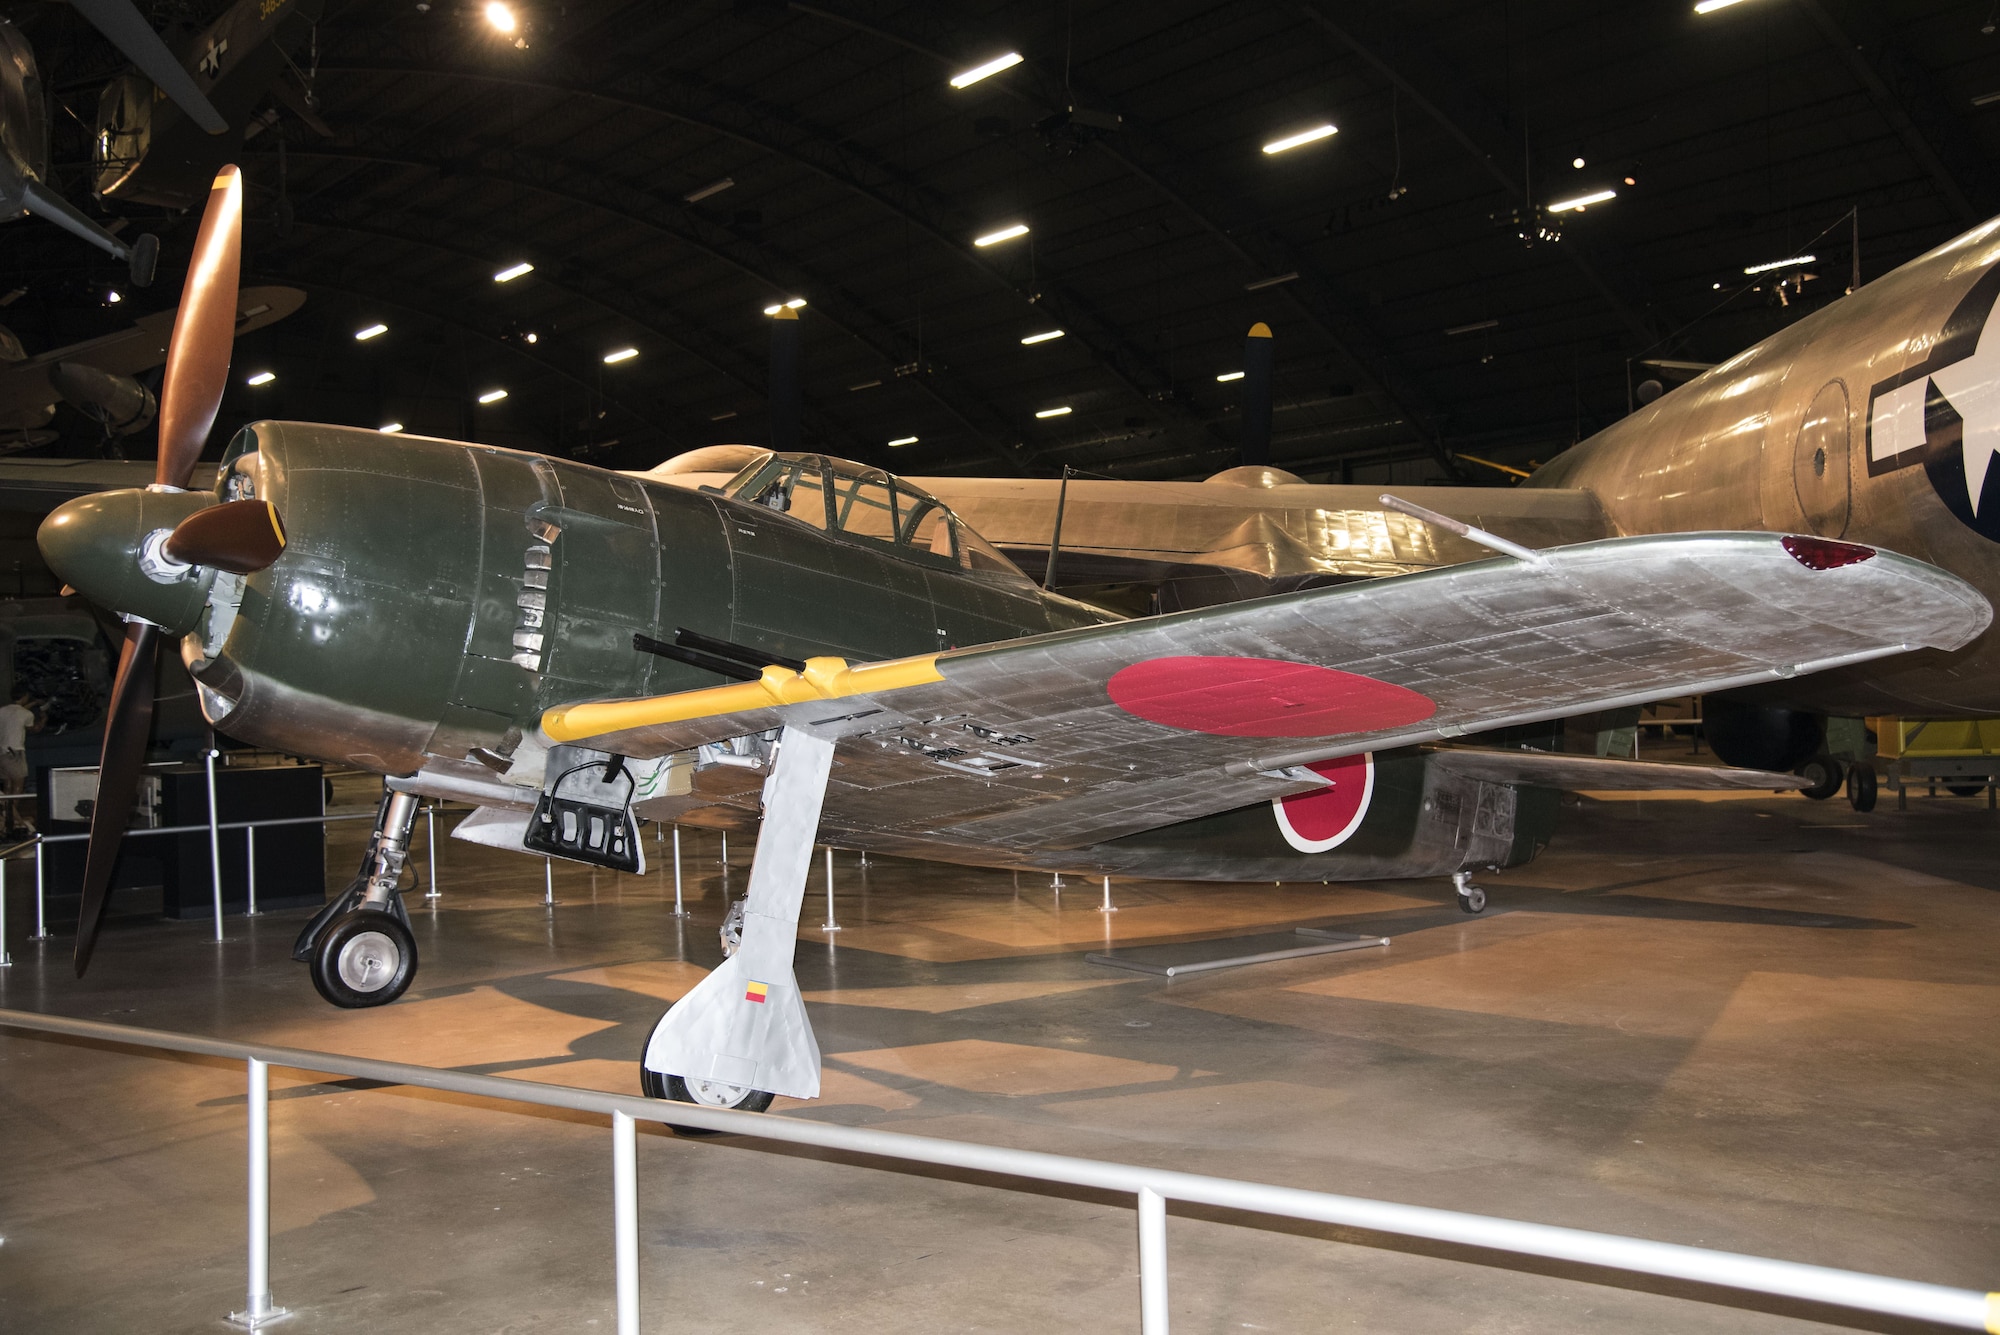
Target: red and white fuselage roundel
1325	818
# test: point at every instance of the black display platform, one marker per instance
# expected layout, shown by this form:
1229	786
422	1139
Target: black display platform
291	859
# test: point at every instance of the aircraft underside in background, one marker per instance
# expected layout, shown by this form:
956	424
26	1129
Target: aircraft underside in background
573	649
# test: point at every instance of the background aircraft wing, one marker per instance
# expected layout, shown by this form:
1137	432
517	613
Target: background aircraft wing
1062	740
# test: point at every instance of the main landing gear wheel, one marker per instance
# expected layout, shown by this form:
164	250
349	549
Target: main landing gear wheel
1824	776
364	958
1471	899
1861	787
702	1093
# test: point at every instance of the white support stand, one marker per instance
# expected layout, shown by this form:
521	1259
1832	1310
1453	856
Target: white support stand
680	911
41	905
1107	906
832	924
431	890
745	1024
214	847
548	883
259	1310
724	859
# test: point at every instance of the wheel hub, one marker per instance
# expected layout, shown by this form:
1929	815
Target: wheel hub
716	1094
368	962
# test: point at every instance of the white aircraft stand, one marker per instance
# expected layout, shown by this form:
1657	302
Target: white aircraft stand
745	1024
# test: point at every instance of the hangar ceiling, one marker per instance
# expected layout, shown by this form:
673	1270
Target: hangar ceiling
1413	324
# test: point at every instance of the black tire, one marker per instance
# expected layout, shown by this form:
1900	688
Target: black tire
364	958
1472	901
1827	776
1965	789
654	1085
1861	787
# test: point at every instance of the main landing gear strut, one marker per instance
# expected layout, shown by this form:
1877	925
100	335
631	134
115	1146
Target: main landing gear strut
741	1035
359	946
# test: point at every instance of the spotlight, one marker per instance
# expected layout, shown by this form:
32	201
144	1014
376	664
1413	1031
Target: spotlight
796	303
1004	234
501	17
1576	163
112	298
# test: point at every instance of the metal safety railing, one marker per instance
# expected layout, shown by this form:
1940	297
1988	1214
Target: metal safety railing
1150	1188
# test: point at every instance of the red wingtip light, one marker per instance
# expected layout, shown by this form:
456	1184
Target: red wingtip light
1825	553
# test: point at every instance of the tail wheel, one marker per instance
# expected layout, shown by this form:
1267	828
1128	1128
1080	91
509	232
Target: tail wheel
364	958
1861	787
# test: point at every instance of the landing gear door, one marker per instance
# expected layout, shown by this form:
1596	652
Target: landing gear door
585	811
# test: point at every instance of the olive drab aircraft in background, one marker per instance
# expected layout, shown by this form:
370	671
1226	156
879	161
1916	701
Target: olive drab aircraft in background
573	649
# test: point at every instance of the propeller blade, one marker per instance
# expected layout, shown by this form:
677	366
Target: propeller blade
204	334
125	729
241	537
121	21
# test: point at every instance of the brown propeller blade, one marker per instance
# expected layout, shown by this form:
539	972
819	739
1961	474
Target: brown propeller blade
125	728
241	537
204	334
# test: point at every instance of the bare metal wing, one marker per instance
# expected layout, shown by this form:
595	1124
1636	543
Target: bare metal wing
1068	739
1544	769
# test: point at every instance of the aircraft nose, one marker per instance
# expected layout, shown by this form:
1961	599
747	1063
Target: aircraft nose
107	547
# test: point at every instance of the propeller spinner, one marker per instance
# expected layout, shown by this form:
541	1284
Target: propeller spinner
150	555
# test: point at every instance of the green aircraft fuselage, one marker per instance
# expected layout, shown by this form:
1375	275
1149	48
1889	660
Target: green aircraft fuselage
434	598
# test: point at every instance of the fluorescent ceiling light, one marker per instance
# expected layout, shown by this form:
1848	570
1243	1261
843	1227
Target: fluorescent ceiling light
794	304
1228	376
390	428
986	71
1053	412
712	188
1263	283
1710	6
622	355
1042	337
493	396
508	275
1302	137
1983	100
1004	234
1472	328
262	378
866	384
1769	265
501	17
1578	203
722	416
372	331
903	440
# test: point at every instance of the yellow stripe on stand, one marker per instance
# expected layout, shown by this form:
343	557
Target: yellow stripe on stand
823	679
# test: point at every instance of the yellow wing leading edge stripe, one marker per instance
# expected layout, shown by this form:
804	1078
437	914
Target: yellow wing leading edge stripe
1993	1314
823	679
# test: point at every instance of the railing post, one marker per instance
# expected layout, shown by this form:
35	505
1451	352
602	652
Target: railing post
625	1218
548	883
1108	906
6	960
259	1310
831	924
250	869
214	848
41	905
679	911
1152	1262
431	848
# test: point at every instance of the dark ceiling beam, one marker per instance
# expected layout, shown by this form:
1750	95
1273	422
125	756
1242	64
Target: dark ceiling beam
1340	319
548	176
438	308
783	133
1907	96
704	347
1399	53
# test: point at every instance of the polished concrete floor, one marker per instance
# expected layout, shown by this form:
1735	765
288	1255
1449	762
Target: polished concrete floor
1758	1023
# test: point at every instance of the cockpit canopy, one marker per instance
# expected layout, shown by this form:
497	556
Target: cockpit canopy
839	496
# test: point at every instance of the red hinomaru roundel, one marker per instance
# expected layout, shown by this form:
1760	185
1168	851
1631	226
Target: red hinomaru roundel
1262	697
1325	818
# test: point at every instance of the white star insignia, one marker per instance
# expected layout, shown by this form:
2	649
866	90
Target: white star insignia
1972	386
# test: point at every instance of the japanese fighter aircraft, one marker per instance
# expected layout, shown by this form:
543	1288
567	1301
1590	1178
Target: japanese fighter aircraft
575	649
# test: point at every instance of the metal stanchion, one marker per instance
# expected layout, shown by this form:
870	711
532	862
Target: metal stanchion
1152	1262
831	924
259	1310
41	905
214	847
1107	906
625	1218
724	859
6	960
431	847
679	910
548	883
250	869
